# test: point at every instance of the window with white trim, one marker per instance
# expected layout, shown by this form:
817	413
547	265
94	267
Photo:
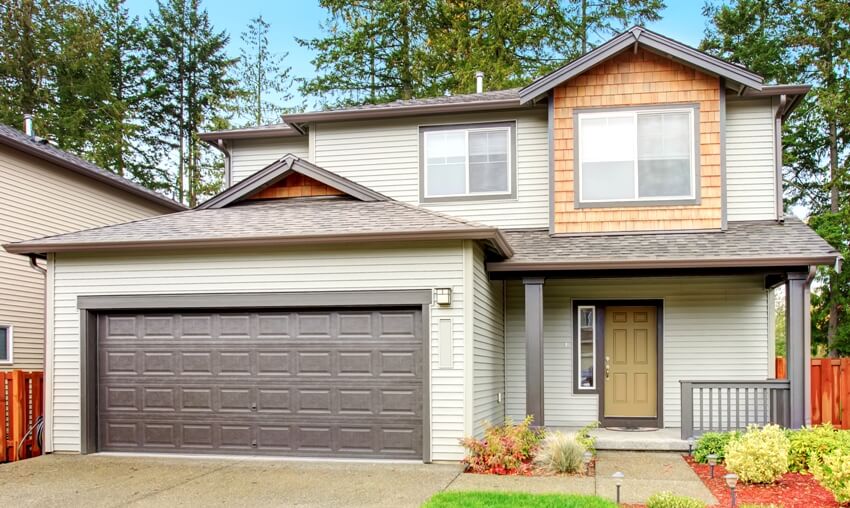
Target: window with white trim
644	155
467	161
586	348
5	344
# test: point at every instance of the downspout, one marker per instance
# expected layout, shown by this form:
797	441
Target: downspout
223	148
777	140
35	266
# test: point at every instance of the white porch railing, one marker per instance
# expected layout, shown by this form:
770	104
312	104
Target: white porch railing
719	406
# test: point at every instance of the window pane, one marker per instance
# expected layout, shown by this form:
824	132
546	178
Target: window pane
664	135
603	181
587	367
664	178
446	179
488	161
4	343
445	160
607	138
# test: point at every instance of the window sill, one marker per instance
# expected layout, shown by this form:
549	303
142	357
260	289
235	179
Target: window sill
462	199
635	204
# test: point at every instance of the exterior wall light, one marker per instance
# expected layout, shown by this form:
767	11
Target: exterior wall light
618	481
731	482
712	461
444	296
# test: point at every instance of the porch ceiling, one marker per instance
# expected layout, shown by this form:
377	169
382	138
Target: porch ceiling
752	244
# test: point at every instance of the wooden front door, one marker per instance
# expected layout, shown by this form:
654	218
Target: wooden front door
631	363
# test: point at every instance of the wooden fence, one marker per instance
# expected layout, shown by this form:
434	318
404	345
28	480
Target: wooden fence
830	390
21	405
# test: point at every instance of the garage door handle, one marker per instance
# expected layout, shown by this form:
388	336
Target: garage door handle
253	407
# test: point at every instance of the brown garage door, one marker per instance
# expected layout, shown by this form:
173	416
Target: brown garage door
318	383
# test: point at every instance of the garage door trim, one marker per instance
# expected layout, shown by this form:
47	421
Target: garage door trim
91	306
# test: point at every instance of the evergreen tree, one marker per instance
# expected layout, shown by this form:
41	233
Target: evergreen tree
192	73
586	23
809	42
264	76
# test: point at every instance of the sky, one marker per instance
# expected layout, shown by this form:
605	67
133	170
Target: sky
681	20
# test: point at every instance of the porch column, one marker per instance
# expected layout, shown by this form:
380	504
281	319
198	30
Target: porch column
798	347
534	348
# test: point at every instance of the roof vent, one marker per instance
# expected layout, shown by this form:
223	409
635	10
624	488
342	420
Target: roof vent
479	82
28	125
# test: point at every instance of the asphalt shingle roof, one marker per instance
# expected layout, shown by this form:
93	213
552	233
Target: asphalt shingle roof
756	243
267	221
41	148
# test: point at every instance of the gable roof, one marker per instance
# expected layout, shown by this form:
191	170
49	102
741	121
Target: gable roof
745	244
282	168
277	222
651	41
40	148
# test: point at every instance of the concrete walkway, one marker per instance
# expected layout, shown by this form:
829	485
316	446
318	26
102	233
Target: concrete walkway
112	481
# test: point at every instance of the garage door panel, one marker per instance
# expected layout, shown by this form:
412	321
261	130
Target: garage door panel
316	383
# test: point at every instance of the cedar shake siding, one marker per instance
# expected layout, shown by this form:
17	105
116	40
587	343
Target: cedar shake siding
297	186
638	79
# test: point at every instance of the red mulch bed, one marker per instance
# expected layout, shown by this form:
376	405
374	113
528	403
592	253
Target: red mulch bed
792	490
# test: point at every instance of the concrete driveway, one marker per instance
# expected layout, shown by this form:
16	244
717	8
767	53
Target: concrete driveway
107	480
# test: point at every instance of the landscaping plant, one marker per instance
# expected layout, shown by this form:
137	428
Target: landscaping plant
809	444
670	500
712	443
585	439
560	453
833	472
504	449
760	455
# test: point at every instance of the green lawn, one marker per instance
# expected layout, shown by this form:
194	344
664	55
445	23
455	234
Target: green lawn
514	500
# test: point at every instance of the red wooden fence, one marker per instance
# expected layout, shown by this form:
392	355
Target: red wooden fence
21	404
830	390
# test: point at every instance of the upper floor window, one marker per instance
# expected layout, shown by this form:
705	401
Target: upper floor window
467	161
640	156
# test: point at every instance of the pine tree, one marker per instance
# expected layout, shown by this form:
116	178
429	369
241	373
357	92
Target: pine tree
192	73
805	41
586	23
265	78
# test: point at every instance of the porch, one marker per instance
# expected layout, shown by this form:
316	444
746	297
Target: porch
707	361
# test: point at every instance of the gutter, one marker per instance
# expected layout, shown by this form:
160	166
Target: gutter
763	262
487	234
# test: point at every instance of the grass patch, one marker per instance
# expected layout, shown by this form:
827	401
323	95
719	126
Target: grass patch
514	500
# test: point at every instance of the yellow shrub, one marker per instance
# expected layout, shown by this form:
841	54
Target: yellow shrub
759	455
833	472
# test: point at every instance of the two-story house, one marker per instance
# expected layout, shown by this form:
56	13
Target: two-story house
377	281
47	191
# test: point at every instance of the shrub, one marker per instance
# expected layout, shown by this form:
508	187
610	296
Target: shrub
670	500
585	439
760	455
560	453
712	442
505	449
810	444
833	472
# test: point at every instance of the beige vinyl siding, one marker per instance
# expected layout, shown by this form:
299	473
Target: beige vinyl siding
750	160
247	156
425	265
40	199
715	328
488	355
384	155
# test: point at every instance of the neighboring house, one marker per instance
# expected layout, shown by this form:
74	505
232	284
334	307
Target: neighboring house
46	191
378	281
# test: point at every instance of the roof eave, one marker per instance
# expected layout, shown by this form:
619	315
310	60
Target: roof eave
488	234
284	132
149	196
765	262
296	119
651	41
